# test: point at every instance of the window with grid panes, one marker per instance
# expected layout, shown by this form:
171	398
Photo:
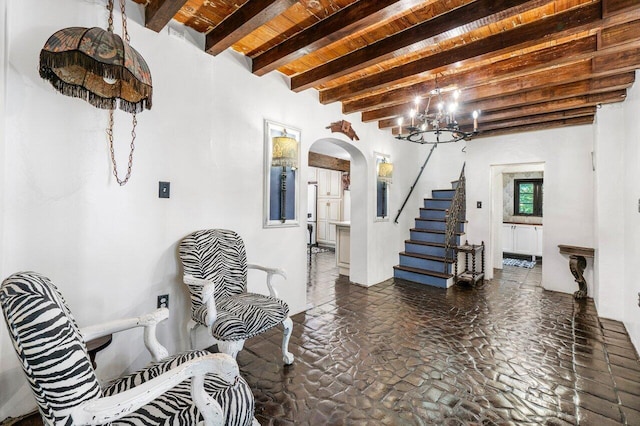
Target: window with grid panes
527	197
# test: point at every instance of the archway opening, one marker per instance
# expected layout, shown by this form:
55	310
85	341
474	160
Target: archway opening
347	208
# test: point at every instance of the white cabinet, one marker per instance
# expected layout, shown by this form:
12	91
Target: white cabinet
525	240
329	183
328	211
313	175
539	240
522	239
507	237
343	247
329	204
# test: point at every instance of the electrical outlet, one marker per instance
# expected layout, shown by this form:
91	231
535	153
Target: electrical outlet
163	301
164	188
479	204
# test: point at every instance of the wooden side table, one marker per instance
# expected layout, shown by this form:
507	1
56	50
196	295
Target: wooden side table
96	345
471	274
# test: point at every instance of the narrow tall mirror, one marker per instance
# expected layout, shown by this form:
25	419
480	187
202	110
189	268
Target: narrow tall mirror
281	159
384	175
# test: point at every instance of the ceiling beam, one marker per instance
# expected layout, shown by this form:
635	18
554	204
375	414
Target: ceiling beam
346	21
328	162
584	87
158	13
577	121
557	91
540	118
469	17
562	24
612	7
246	19
497	71
610	41
620	58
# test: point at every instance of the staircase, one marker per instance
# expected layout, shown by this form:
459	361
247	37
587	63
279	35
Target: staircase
427	258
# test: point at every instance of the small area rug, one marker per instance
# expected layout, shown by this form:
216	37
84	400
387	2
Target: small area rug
317	250
519	262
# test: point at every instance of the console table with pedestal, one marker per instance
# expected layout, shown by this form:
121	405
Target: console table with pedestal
577	264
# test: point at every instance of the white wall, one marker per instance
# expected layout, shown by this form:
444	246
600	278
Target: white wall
630	296
568	193
617	137
3	86
609	229
111	250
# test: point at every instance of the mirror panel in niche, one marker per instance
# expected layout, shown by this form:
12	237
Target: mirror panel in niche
281	177
384	176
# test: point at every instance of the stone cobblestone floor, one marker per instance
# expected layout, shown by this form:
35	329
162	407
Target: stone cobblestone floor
506	353
400	353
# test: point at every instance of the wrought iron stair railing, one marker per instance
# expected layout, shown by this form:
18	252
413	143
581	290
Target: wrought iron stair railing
453	217
414	184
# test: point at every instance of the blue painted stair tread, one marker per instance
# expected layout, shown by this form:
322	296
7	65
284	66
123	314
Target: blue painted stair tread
424	260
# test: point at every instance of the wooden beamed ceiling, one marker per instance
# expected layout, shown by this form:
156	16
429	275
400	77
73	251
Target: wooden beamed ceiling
525	64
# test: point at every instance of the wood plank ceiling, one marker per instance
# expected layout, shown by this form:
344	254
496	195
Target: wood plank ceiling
525	64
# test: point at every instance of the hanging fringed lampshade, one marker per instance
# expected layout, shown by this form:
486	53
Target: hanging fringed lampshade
96	65
103	69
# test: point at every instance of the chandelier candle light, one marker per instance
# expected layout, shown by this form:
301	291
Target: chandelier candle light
438	126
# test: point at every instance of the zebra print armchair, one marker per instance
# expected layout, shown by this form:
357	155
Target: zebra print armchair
193	388
215	271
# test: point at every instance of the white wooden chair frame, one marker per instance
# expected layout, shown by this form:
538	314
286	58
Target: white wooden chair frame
208	299
108	409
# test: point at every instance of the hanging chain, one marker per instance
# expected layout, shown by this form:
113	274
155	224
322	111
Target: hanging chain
113	156
125	33
125	36
110	8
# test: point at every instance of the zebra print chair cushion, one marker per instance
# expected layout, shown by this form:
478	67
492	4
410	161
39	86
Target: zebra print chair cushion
54	358
247	315
175	406
219	256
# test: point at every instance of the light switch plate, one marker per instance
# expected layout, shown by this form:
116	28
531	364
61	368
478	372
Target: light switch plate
479	204
164	189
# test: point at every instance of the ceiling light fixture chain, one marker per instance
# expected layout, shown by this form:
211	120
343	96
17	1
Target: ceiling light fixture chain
110	8
113	155
125	32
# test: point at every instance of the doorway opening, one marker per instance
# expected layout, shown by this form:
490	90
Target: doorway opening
517	227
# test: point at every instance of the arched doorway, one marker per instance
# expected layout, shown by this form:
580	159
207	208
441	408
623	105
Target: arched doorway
359	225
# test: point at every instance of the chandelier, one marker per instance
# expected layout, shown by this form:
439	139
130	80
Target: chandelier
437	126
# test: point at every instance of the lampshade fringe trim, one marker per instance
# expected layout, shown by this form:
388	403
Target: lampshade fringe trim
51	60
